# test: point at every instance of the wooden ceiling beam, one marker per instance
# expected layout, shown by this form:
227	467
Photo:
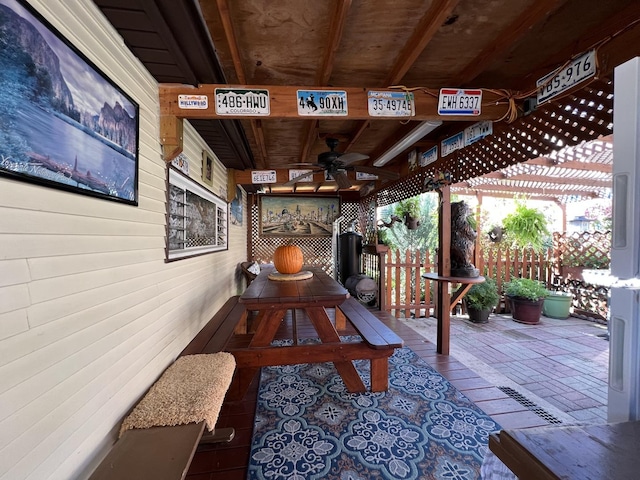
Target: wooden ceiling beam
545	179
225	17
337	23
539	10
551	191
424	32
537	196
284	103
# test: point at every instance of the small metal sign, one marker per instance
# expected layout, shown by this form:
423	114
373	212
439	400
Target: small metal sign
429	156
193	102
298	173
391	104
365	176
451	144
322	103
477	131
454	101
263	176
240	101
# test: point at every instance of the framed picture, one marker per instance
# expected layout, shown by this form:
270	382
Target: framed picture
207	168
197	219
236	208
63	123
298	216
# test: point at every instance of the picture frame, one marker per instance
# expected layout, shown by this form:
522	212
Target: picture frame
197	219
65	123
236	210
298	215
207	168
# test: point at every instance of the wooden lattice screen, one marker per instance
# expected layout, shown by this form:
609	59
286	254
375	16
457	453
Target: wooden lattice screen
577	117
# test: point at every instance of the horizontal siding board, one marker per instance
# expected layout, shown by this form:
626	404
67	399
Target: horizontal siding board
21	246
14	297
49	267
13	272
33	222
12	323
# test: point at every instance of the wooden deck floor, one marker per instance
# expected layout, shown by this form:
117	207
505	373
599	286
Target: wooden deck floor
230	461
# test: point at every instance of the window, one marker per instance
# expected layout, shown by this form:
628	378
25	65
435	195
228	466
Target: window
196	219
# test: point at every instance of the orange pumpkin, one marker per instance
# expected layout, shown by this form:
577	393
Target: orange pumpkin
288	259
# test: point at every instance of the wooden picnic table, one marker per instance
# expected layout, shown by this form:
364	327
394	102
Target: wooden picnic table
272	299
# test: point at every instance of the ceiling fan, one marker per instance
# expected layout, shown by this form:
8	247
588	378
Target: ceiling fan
336	165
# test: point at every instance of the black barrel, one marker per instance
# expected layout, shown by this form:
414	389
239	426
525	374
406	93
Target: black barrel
349	252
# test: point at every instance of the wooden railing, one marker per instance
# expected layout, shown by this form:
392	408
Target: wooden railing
404	292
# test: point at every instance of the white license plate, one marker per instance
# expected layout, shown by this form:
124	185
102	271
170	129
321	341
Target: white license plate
454	101
240	101
558	81
391	104
322	102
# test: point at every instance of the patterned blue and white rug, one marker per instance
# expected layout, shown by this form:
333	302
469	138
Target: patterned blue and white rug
309	427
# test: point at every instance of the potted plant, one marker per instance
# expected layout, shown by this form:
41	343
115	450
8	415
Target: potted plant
409	210
557	304
481	300
526	298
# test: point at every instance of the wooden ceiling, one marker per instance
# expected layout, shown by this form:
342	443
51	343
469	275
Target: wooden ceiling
423	45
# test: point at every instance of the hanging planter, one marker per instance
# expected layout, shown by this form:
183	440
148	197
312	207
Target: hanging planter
409	210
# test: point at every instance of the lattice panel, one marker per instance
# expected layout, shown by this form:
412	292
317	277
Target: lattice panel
585	249
317	251
577	117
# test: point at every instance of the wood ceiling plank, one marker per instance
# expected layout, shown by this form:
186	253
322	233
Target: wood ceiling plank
337	23
539	10
256	129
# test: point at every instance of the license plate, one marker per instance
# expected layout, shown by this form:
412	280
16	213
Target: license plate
558	81
322	102
391	104
453	101
193	102
240	101
451	144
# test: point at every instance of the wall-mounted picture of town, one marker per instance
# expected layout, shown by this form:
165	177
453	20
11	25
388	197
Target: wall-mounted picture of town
298	216
63	123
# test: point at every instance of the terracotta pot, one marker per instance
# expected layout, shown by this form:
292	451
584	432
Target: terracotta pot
526	311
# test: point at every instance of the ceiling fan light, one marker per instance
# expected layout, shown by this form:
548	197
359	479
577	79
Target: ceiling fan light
407	141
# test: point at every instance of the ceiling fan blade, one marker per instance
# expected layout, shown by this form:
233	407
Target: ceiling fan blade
381	172
341	179
349	158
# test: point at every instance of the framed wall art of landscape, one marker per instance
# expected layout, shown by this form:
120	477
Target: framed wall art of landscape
298	216
63	122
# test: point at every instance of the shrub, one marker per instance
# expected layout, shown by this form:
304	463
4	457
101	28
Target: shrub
526	288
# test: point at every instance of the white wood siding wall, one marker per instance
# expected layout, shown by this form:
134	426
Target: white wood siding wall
90	313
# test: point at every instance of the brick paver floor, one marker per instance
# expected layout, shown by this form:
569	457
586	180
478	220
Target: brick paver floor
558	366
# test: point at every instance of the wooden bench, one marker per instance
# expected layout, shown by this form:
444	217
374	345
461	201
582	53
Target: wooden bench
165	453
375	334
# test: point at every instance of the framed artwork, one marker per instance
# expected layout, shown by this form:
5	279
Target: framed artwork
207	168
298	216
63	123
236	208
197	219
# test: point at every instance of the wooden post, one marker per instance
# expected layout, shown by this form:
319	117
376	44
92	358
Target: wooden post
444	270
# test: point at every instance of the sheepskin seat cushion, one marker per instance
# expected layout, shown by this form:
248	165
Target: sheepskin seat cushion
190	390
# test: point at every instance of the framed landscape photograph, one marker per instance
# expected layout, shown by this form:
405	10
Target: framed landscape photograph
298	216
63	122
207	168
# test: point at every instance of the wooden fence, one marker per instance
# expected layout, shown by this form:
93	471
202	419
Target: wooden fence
407	293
